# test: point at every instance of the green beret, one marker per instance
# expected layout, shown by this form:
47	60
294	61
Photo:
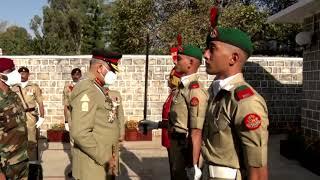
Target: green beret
192	51
232	36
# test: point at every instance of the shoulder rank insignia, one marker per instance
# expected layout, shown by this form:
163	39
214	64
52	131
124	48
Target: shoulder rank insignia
194	85
252	121
243	92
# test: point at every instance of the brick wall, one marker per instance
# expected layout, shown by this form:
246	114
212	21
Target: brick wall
311	84
277	79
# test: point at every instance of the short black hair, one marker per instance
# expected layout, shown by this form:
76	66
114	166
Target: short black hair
75	70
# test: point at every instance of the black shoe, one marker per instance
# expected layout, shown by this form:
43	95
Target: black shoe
70	174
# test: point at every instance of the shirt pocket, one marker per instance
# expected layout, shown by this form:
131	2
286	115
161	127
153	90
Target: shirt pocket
220	120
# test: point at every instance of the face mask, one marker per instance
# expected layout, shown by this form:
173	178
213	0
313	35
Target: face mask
13	78
110	78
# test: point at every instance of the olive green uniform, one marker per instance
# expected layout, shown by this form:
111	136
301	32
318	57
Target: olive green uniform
13	137
31	96
187	112
94	130
235	131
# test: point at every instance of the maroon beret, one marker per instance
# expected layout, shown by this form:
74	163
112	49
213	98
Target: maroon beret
5	64
111	58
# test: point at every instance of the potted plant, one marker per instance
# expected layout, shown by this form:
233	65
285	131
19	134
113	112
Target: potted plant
132	133
57	133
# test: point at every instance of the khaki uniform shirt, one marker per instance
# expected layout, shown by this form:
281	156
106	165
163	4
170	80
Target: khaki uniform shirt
93	131
66	98
189	106
32	95
235	129
117	110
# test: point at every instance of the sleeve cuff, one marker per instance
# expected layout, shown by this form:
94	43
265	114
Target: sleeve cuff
257	156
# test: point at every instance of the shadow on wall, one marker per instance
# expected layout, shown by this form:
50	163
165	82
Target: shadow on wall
283	100
133	167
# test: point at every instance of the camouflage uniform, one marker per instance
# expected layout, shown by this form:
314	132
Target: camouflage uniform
13	130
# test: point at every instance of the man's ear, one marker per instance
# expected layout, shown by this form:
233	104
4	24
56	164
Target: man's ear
235	58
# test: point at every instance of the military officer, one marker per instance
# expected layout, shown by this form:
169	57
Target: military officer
13	129
186	117
95	130
75	75
235	131
31	95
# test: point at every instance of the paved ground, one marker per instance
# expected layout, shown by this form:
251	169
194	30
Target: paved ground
147	160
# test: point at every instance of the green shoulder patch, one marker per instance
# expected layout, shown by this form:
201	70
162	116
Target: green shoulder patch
243	92
194	85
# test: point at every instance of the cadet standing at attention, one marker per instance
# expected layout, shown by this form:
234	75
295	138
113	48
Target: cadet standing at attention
13	129
187	116
31	97
94	130
235	132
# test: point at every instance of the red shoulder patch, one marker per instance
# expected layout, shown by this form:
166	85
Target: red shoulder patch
252	121
194	85
194	101
243	92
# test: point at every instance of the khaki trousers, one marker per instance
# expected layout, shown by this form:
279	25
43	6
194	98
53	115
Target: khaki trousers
32	136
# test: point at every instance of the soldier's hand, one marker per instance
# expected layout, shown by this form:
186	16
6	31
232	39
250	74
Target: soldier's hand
2	176
39	122
148	125
113	166
66	126
194	173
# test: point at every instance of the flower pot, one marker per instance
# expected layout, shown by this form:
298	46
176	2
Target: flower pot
135	135
58	136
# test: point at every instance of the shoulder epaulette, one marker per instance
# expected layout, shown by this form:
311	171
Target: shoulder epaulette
194	85
243	92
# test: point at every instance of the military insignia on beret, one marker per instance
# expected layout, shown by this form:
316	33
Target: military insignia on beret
194	101
194	85
243	92
252	121
214	33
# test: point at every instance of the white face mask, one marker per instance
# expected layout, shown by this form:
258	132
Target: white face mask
13	78
110	78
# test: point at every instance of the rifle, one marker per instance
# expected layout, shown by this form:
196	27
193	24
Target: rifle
145	129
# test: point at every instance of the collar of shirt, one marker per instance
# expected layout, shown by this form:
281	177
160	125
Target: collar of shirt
223	84
185	80
24	84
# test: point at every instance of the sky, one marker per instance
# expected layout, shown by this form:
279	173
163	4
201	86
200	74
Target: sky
20	12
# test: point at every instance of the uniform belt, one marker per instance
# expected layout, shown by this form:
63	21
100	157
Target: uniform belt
222	172
30	109
177	135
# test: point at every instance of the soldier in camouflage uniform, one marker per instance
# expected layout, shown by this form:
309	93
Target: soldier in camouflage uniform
13	130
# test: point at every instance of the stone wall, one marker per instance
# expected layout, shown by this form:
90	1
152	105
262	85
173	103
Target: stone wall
278	79
311	76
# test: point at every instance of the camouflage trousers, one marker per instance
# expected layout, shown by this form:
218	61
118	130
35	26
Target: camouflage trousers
17	171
